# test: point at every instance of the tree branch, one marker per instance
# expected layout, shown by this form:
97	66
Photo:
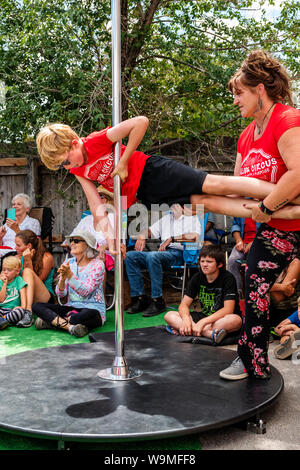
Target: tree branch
175	141
159	56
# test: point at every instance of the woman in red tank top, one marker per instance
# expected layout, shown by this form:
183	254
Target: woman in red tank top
268	149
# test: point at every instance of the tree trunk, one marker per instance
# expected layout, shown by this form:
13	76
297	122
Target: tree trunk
132	44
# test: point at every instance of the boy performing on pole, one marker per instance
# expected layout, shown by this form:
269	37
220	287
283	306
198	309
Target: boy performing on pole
151	179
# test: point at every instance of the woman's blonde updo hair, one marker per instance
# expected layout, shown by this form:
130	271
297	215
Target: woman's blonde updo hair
261	67
54	140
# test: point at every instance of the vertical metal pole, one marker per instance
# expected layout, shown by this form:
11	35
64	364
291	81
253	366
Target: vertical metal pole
119	369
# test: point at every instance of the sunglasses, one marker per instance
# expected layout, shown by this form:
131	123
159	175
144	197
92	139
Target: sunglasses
64	163
76	240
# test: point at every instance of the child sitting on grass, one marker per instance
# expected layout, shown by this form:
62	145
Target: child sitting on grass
12	293
216	290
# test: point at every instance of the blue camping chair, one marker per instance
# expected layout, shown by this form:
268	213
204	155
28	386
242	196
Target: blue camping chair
191	251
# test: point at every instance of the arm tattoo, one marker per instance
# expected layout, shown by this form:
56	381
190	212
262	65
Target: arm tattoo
280	204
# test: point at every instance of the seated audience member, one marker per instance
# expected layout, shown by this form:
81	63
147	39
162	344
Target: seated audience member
215	289
209	233
22	204
81	280
12	293
285	292
171	227
289	331
243	232
37	272
87	224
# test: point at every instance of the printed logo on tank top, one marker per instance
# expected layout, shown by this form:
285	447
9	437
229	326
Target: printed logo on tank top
261	165
100	170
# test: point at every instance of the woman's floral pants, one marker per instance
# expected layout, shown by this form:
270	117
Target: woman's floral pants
271	251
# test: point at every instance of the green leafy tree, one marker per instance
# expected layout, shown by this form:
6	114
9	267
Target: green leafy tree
177	57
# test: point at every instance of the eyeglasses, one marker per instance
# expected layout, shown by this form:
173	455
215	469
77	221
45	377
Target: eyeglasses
102	196
76	240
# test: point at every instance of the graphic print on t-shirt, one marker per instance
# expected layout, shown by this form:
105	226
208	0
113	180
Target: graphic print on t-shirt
261	165
210	300
100	170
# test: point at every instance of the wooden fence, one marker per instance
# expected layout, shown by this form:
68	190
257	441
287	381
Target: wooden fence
58	190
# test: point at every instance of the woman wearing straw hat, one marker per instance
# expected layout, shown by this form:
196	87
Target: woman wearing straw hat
81	280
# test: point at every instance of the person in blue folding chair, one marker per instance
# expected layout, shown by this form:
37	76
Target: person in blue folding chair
169	229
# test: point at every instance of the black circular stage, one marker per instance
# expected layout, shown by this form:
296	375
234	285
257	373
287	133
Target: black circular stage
56	393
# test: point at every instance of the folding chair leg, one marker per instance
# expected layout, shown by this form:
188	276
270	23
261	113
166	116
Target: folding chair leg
183	281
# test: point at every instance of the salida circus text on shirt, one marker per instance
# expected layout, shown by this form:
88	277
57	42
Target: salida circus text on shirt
260	167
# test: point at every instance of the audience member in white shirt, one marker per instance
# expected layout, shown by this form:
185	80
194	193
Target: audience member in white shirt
22	204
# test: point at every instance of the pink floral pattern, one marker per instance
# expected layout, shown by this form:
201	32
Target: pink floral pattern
271	251
85	288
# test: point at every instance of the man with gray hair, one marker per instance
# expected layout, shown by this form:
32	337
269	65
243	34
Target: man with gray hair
173	226
21	204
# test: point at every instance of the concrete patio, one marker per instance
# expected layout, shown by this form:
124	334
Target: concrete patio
282	419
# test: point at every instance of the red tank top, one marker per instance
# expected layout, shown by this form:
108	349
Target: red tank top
261	158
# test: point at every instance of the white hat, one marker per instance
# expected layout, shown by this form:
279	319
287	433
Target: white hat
88	237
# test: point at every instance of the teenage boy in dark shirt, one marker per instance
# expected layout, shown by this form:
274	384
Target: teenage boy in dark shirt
216	290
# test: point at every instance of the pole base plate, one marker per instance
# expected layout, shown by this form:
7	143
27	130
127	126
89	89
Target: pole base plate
128	374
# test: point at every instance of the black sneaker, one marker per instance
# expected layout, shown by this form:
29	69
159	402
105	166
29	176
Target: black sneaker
156	307
138	304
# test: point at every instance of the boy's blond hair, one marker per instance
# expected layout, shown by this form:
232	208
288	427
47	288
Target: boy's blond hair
12	262
54	140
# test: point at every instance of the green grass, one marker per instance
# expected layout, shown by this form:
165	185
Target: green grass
16	340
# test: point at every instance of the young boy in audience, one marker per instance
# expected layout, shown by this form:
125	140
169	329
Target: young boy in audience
12	292
216	290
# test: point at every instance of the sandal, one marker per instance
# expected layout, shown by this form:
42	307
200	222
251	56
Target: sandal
171	330
289	347
61	325
218	336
